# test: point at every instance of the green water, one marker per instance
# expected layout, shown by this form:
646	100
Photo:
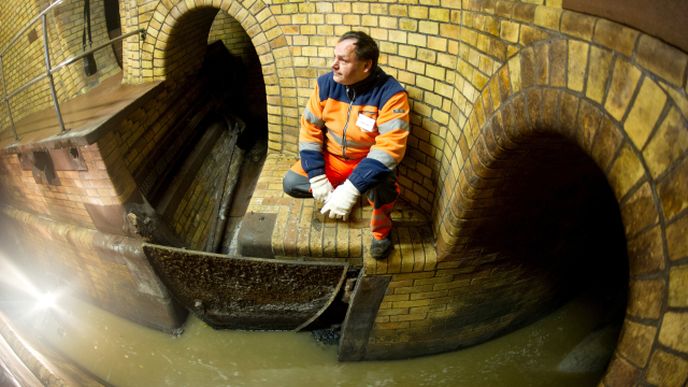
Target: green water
126	354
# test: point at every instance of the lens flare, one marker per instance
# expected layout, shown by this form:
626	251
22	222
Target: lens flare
14	279
47	301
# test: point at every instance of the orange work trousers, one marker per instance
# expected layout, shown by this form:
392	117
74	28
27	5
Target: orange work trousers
381	197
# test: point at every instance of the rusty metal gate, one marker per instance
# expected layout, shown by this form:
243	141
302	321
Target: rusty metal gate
248	293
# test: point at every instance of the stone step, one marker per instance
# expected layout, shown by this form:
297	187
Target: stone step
276	225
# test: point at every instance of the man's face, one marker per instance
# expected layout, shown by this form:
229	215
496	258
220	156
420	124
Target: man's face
347	68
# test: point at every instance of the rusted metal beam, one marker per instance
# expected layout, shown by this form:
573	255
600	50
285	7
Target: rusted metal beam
365	302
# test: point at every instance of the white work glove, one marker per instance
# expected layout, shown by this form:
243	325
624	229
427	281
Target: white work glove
341	201
321	187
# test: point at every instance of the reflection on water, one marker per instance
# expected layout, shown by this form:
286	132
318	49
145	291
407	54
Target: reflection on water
566	348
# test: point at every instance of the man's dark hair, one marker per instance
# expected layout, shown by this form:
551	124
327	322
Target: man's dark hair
366	48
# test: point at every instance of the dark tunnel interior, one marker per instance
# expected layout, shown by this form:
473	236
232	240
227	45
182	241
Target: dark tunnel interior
552	218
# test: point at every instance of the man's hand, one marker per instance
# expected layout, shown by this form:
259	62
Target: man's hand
341	201
321	188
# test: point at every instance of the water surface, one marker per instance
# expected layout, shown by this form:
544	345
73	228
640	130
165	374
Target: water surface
126	354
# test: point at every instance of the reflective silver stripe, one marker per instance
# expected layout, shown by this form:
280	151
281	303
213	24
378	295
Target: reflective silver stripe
310	146
392	125
349	143
311	118
383	157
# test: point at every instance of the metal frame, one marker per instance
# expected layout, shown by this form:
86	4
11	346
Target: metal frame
49	70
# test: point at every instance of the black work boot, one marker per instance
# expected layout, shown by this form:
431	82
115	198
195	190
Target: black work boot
380	248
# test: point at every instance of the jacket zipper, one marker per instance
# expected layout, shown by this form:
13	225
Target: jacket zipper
346	125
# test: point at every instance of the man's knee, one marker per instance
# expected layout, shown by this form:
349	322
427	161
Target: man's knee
386	191
296	185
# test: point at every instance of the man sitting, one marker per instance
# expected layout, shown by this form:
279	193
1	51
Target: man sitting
353	135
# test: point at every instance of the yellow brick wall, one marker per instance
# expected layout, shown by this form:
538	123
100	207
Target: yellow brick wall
443	55
473	68
625	112
14	16
24	60
138	134
233	36
197	213
480	74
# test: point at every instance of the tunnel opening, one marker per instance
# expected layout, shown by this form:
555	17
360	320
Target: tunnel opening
548	224
222	144
202	172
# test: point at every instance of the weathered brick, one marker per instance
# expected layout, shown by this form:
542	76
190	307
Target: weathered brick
668	144
645	252
509	31
664	60
524	12
411	304
645	298
408	317
530	35
666	369
397	297
578	25
587	122
673	190
392	325
557	63
515	73
543	65
615	36
676	238
413	276
635	342
673	332
413	289
678	286
527	68
647	107
392	312
639	211
598	73
408	25
626	171
577	64
624	81
621	372
548	17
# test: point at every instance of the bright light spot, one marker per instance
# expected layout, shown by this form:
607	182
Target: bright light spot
47	301
38	299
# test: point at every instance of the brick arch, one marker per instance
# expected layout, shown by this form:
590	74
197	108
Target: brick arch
266	37
617	114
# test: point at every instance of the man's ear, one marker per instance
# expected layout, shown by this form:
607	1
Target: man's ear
368	66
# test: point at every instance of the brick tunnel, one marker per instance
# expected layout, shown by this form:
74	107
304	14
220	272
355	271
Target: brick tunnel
547	158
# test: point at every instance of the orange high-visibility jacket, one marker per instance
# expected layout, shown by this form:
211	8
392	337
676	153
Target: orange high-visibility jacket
368	121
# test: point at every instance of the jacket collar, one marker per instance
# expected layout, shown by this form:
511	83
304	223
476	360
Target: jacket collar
358	88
